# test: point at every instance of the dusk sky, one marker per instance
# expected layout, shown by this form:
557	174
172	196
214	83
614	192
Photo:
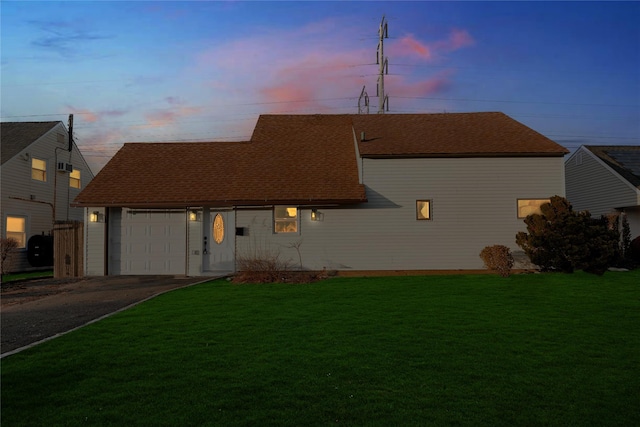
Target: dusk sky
133	71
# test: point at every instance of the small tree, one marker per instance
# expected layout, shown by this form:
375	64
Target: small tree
561	239
7	246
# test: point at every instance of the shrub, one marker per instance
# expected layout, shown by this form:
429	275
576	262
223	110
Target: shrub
561	239
7	246
498	258
261	266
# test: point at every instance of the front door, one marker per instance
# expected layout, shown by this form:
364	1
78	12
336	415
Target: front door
221	241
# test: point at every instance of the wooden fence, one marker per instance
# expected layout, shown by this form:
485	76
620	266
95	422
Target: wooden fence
68	244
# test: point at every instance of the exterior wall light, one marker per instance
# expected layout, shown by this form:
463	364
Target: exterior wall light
193	216
315	215
96	216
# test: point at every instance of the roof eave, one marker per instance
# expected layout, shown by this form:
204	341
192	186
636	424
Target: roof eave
220	203
458	155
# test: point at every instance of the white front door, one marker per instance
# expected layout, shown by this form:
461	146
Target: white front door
220	241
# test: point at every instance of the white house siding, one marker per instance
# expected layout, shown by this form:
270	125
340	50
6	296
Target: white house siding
95	235
114	242
592	186
194	246
474	204
36	202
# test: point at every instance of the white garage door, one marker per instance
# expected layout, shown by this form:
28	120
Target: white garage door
152	242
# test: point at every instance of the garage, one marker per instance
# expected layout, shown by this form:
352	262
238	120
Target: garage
147	242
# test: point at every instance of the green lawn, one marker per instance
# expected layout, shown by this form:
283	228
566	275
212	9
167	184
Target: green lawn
12	277
529	350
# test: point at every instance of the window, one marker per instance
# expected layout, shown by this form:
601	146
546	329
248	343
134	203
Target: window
74	179
285	219
423	209
528	207
16	229
39	170
218	229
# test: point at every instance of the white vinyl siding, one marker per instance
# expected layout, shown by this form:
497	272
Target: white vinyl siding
592	186
473	206
95	233
21	195
194	243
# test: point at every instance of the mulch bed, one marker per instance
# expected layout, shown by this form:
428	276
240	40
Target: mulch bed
294	277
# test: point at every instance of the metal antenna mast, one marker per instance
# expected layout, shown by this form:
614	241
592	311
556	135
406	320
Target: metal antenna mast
383	62
363	97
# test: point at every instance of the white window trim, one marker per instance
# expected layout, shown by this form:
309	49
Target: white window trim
46	172
79	179
275	220
26	226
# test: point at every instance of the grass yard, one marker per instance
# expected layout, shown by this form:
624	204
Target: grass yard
544	349
6	278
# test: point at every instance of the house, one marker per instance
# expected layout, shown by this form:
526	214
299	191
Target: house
336	192
41	172
605	179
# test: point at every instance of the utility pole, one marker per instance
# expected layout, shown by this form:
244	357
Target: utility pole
383	62
70	132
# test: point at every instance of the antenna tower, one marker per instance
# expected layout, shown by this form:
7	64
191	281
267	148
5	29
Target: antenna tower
363	97
383	62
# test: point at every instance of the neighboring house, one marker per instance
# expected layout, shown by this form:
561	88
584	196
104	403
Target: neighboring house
605	179
41	174
335	192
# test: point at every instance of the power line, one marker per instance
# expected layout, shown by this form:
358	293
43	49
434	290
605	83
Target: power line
520	102
593	136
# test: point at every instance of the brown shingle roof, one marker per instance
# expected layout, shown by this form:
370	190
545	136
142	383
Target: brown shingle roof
299	159
16	136
450	135
624	159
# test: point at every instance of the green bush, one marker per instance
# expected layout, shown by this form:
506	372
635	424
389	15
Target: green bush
498	258
560	239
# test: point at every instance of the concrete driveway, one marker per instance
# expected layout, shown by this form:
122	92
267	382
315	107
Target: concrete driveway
39	310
